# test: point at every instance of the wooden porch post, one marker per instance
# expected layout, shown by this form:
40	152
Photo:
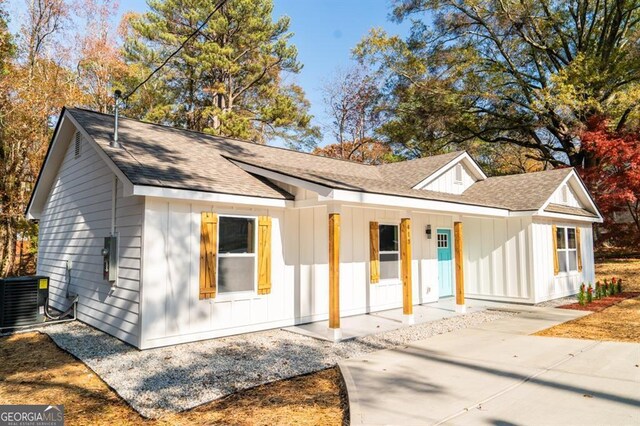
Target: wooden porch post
459	241
334	275
405	262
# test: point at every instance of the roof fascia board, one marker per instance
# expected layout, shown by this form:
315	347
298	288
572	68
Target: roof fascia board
290	180
37	188
522	213
569	217
585	192
413	203
442	170
214	197
128	186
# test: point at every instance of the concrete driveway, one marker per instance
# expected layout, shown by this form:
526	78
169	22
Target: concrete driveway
498	374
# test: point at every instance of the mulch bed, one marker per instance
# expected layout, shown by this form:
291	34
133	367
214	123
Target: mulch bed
605	302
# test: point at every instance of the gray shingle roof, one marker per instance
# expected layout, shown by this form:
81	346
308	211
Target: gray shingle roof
162	156
576	211
527	191
412	172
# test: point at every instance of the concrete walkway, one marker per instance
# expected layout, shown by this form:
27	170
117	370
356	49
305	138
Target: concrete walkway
379	322
497	374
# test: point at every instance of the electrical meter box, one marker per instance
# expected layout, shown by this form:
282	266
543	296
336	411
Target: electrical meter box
110	258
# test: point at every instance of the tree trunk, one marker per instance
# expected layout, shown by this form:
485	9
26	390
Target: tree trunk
9	244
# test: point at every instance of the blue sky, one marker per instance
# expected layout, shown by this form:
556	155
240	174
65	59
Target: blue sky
325	31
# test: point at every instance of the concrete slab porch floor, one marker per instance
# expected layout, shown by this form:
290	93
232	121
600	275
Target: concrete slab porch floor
392	319
498	374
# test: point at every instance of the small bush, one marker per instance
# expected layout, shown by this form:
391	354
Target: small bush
619	285
590	293
605	289
598	290
612	287
582	295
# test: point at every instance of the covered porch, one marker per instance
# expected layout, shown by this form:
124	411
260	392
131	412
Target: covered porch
411	280
355	326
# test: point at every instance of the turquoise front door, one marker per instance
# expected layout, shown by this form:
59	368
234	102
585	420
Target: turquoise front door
445	274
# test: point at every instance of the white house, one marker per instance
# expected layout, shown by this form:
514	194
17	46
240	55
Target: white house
217	236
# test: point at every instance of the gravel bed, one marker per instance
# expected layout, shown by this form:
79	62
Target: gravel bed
180	377
557	302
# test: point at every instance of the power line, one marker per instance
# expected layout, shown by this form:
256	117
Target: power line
205	22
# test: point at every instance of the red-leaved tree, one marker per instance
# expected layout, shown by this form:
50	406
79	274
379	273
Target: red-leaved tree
615	179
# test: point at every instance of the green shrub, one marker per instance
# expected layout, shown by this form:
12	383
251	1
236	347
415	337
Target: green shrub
582	295
598	290
619	285
590	293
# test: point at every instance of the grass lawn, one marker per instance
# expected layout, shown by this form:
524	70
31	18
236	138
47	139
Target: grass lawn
35	371
620	322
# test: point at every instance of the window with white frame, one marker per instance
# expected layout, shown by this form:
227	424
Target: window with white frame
567	249
389	252
236	254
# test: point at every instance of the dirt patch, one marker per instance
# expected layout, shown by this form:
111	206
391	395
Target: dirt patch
599	304
620	323
627	269
35	371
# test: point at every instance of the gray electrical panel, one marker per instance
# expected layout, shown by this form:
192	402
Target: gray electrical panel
110	258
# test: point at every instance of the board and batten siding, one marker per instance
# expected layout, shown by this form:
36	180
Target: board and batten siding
549	286
563	191
446	182
173	313
73	224
357	294
498	256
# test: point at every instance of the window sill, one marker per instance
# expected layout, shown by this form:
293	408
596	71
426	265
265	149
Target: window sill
237	296
389	281
568	274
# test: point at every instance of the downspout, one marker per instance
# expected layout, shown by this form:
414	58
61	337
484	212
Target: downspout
114	200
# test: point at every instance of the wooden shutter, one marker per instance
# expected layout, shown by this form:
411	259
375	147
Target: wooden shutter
264	255
554	238
374	252
579	249
208	254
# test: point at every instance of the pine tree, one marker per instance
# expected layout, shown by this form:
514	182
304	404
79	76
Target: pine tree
228	79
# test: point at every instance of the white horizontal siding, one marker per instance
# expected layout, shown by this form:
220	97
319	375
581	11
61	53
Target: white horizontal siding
497	255
74	222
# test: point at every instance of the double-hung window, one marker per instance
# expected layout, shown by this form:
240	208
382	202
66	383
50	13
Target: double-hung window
389	252
236	254
567	249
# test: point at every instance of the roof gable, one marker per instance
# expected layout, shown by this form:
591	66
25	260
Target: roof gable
571	197
437	181
411	173
62	137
